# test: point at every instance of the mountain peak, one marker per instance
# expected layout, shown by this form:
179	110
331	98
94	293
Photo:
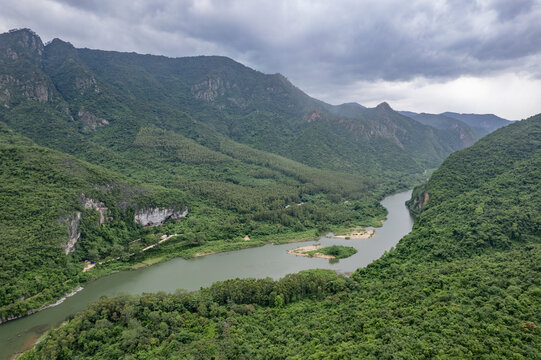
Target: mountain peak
481	123
57	41
59	46
21	43
353	104
384	106
22	32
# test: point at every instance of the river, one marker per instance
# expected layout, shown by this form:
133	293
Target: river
266	261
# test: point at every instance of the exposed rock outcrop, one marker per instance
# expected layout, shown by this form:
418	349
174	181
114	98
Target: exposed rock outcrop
157	216
73	232
417	203
15	316
91	120
20	69
83	83
5	94
210	89
35	88
25	43
100	207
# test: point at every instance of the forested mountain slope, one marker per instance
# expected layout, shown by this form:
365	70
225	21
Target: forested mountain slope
469	126
139	145
465	283
51	205
464	134
482	124
239	192
93	103
483	197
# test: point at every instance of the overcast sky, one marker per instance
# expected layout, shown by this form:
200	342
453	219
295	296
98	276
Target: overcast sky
429	55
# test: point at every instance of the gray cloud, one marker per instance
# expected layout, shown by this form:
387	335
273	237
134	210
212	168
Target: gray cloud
315	43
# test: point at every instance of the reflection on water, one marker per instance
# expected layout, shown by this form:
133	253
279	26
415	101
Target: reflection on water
266	261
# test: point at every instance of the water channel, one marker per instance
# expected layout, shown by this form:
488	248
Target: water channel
266	261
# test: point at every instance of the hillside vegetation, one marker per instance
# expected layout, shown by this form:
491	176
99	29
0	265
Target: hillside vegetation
465	283
93	104
41	192
246	192
73	131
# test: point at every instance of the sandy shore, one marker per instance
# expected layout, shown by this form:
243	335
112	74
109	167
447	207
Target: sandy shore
304	250
357	235
205	253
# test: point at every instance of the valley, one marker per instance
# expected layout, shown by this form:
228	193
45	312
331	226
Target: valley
463	283
135	176
261	262
178	146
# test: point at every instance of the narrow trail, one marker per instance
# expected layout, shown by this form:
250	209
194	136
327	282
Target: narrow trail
163	238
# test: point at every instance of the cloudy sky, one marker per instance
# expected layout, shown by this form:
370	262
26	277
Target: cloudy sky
479	56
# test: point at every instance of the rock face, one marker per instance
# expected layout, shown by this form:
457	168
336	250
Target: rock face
21	77
91	121
418	202
4	319
100	207
145	217
157	216
210	89
83	83
73	232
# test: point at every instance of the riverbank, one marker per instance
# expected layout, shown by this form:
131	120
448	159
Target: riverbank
155	254
89	265
164	250
158	253
357	233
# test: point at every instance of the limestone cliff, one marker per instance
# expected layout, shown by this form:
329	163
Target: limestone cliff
157	216
73	232
21	77
419	200
100	207
210	89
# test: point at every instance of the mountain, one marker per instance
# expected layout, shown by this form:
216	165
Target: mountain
234	146
463	284
490	192
89	96
463	133
481	124
467	127
71	140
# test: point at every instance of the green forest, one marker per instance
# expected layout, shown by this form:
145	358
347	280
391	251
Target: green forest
465	283
76	126
41	190
93	141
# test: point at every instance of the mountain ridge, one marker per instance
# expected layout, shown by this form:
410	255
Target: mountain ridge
479	124
236	101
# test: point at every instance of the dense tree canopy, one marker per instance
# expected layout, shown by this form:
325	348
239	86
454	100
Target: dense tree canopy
464	284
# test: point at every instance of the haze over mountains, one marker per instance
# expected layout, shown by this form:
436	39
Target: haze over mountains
480	125
234	146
